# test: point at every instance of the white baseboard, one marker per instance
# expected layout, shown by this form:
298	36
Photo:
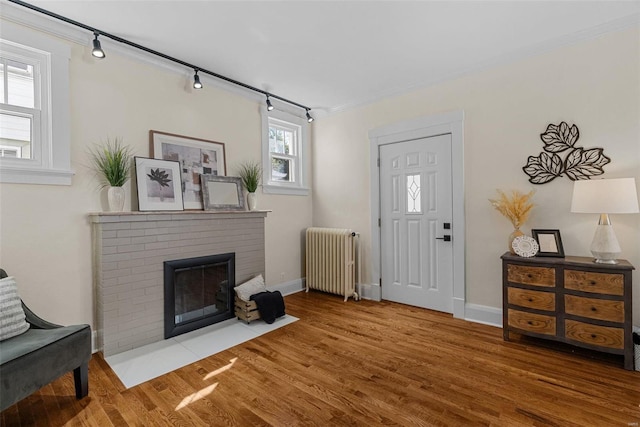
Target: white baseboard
370	291
290	287
483	314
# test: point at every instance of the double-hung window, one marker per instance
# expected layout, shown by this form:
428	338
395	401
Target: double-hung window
284	156
34	108
20	118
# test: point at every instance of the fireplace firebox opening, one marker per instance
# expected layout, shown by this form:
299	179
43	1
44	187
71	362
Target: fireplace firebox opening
198	292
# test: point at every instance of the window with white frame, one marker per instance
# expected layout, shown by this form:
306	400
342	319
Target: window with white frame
34	108
20	105
284	153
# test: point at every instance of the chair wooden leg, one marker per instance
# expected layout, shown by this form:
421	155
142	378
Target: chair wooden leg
81	380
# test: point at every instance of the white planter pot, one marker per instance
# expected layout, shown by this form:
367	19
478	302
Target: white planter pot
252	201
115	197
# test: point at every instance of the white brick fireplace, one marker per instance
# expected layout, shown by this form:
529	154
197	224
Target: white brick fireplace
129	249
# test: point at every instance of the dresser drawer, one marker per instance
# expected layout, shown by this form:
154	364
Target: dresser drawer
602	336
532	322
599	283
532	299
594	308
527	275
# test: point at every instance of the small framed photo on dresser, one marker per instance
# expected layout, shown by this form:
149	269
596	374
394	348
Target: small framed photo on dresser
550	242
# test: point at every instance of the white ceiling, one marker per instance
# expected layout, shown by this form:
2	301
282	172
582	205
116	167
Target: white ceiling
332	55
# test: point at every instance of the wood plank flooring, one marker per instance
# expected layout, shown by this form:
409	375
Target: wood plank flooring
356	364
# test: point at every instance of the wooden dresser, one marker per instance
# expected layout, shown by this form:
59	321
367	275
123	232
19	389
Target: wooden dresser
572	300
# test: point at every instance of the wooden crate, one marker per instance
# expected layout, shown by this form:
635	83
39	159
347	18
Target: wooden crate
246	311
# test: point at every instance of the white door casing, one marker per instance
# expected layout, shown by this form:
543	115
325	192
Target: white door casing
416	217
423	127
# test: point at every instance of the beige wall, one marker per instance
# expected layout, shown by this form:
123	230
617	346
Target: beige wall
594	84
45	236
44	232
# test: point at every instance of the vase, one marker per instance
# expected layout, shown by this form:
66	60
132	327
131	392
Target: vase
252	201
115	197
512	237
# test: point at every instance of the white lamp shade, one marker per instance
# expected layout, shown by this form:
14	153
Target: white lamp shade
612	196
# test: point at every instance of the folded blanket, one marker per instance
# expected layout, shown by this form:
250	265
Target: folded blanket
270	305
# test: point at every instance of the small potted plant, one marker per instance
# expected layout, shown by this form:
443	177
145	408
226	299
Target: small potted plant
250	173
516	208
112	161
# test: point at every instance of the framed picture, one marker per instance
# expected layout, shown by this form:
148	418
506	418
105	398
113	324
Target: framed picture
196	157
550	242
159	185
222	193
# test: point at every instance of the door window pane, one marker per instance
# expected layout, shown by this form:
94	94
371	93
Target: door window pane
414	204
15	136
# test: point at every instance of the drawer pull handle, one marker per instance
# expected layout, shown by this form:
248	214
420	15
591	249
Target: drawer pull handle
592	282
594	309
593	335
529	276
529	322
530	299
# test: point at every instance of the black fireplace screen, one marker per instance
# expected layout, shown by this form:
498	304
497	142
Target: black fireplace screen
198	292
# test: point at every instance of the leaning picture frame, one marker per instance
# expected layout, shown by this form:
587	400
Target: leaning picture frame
550	243
196	157
159	185
222	193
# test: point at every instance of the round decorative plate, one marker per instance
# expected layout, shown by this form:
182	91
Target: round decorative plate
525	246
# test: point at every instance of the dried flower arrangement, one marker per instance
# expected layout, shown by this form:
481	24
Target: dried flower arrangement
516	207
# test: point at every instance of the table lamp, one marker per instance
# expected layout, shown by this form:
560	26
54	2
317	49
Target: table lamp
604	197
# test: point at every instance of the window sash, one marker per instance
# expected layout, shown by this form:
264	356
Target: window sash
293	167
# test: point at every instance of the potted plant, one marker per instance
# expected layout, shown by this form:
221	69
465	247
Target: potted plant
112	161
516	208
250	173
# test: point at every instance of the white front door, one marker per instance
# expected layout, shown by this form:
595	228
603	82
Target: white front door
416	218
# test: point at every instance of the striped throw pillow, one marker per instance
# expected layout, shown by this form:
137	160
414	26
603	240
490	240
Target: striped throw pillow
12	319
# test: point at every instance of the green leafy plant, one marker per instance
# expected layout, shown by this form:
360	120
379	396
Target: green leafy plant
112	161
250	173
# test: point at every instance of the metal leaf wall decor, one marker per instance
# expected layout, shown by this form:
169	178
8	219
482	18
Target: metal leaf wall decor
578	164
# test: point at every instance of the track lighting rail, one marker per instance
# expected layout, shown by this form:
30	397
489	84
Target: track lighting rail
98	32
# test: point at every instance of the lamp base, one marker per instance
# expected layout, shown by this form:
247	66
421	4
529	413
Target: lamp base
605	261
605	247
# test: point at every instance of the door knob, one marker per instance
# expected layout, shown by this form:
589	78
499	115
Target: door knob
446	238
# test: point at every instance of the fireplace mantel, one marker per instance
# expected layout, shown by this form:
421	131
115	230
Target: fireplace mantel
101	217
129	249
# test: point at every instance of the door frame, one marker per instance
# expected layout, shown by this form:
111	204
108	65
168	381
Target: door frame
417	128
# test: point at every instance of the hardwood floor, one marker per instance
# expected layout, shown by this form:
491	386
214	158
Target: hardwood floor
359	364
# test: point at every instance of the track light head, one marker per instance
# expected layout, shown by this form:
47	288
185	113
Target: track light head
269	105
196	81
97	49
309	118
